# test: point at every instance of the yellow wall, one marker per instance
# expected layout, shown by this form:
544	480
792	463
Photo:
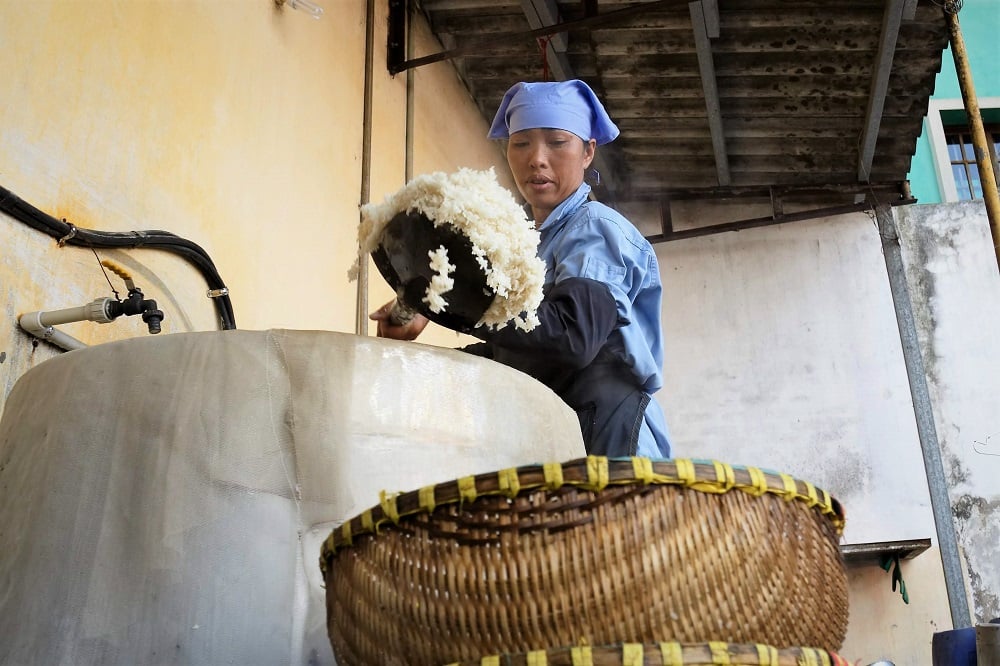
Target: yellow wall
236	124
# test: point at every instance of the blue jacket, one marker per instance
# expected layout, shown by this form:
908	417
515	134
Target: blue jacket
599	344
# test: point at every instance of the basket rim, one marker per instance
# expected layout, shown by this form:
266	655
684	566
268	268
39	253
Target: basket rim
672	653
592	473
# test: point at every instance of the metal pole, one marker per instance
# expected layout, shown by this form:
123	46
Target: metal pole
922	410
361	313
983	160
410	100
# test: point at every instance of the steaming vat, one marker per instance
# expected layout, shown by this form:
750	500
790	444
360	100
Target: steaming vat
163	500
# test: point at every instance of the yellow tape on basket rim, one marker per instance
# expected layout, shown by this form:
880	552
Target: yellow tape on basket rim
812	498
642	468
827	503
809	658
791	489
672	653
467	488
758	482
724	474
767	655
537	658
685	471
330	545
426	497
725	479
720	653
600	472
388	503
492	660
509	482
582	656
367	522
597	473
553	475
633	654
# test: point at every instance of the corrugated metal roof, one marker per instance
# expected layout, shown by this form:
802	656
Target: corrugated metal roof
800	103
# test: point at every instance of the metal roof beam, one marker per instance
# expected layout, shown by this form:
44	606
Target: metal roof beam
712	24
481	45
710	230
892	18
543	14
706	65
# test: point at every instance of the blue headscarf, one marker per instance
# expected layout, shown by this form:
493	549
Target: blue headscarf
565	105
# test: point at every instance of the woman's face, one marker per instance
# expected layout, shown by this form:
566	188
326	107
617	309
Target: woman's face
548	166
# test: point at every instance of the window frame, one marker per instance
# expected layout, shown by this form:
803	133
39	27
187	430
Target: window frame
939	144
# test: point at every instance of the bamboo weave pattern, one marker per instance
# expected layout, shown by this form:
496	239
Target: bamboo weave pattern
594	550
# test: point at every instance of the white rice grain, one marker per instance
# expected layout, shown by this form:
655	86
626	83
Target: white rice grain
441	283
503	239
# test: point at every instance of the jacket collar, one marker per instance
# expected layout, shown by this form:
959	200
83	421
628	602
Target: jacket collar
568	205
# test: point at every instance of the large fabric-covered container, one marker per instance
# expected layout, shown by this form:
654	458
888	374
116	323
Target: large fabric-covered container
163	499
595	551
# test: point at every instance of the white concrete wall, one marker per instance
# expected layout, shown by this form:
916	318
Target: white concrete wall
955	286
782	351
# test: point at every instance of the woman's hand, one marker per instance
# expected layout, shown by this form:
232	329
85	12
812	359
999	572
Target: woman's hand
407	331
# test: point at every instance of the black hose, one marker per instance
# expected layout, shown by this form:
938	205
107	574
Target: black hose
68	234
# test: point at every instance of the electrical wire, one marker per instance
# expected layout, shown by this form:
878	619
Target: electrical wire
106	277
69	234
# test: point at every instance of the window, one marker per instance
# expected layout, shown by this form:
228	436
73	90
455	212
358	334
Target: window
962	155
952	150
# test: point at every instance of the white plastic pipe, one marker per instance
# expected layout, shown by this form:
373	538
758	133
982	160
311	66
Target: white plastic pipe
42	324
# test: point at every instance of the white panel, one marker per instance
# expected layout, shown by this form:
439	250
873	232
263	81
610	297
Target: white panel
782	352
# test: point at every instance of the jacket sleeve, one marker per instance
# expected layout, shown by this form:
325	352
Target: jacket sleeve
479	349
576	316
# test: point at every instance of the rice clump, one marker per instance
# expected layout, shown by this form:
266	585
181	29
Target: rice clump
504	241
441	283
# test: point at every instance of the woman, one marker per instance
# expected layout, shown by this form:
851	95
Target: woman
599	343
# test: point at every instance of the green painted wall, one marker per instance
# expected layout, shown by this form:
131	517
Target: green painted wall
980	23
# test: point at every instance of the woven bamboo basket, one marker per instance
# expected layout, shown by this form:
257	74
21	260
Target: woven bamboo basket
670	653
595	551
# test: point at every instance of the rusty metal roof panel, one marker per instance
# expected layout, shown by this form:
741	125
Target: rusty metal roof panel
721	97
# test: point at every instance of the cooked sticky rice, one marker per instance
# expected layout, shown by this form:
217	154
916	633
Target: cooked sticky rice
504	241
441	282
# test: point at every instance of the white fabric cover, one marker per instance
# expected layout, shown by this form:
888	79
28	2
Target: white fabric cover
163	499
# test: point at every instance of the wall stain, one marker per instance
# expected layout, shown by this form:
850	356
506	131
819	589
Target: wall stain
935	239
965	506
978	527
956	471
